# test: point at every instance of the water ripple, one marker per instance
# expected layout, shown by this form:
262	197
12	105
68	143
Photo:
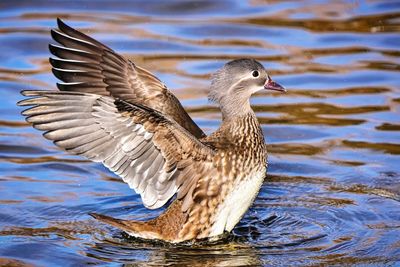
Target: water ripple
332	193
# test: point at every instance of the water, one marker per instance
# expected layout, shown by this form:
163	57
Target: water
332	192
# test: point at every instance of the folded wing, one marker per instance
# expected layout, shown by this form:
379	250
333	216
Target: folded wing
152	153
86	65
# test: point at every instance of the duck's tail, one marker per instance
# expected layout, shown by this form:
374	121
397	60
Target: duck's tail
166	227
133	228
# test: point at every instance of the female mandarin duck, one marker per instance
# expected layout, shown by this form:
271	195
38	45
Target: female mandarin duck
112	111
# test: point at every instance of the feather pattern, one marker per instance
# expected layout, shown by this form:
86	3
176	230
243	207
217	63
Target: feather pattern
136	142
85	65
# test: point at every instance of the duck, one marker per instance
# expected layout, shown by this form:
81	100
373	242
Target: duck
110	110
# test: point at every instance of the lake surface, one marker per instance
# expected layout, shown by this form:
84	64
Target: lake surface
332	193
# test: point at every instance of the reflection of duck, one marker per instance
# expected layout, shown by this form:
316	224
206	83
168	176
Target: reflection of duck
132	252
112	111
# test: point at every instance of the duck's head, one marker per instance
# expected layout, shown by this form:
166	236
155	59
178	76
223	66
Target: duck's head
233	85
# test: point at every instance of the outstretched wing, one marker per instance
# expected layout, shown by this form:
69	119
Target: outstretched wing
86	65
153	154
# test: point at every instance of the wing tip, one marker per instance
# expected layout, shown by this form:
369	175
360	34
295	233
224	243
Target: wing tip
53	49
58	74
61	24
70	31
32	92
22	103
53	62
54	34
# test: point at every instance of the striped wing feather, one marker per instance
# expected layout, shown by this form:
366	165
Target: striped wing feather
152	153
86	65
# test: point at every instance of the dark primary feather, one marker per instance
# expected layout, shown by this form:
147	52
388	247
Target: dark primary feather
86	65
148	150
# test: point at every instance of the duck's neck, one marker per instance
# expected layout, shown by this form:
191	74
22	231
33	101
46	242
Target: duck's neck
235	108
242	129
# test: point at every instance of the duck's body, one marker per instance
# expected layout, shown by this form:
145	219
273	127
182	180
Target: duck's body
114	112
225	189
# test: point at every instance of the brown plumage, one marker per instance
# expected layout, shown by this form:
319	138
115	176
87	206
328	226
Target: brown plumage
112	111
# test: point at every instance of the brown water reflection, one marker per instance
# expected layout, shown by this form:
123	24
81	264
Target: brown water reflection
332	195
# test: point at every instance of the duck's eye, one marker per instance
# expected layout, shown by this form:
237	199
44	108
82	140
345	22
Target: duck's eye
255	73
